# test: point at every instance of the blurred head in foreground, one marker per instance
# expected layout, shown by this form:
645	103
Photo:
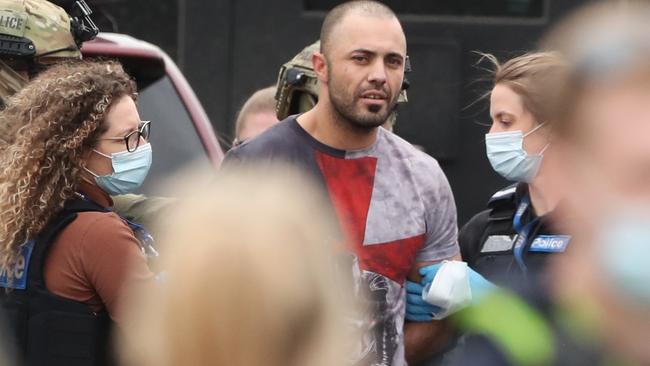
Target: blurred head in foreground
249	278
605	131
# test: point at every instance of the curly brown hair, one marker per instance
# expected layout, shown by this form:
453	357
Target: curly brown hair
56	118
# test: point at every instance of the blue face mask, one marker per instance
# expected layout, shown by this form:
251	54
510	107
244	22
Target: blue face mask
623	250
129	170
506	153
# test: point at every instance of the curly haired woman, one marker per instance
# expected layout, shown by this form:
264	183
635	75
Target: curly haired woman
66	258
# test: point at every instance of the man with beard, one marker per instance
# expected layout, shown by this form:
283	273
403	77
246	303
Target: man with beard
393	201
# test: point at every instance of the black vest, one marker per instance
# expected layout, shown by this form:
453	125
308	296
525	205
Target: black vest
48	329
487	242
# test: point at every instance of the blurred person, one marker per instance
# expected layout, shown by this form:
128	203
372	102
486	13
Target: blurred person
393	201
256	115
297	87
259	291
605	131
65	257
598	310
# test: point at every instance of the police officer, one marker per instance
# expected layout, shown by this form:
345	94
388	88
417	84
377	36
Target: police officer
510	242
37	33
67	260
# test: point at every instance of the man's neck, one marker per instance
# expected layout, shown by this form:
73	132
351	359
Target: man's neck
321	124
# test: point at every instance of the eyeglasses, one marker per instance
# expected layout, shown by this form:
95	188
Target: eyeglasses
132	140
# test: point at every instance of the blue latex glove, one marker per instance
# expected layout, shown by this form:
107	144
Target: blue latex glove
418	310
478	284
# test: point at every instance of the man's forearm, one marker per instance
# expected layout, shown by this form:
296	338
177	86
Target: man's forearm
423	340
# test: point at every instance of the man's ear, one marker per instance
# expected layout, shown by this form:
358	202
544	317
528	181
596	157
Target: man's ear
319	62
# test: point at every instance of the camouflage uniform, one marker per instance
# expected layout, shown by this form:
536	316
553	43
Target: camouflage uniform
35	31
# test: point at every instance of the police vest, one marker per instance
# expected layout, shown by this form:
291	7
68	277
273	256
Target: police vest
513	244
48	329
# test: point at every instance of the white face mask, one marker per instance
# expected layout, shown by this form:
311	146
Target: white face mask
506	153
129	170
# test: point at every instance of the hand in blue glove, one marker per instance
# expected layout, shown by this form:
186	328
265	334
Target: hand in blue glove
477	283
418	310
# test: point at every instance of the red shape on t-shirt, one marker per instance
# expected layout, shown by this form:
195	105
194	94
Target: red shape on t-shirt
350	184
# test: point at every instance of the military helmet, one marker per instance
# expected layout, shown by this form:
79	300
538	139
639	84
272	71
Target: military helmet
297	86
32	31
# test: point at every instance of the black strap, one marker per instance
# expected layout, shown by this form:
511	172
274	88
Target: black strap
48	234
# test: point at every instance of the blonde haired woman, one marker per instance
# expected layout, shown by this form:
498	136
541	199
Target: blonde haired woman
248	281
65	256
511	242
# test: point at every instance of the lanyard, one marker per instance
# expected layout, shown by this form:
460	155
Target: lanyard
144	237
523	233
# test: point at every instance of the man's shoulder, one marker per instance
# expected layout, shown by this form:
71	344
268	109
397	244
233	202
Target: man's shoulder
278	138
404	150
271	137
420	166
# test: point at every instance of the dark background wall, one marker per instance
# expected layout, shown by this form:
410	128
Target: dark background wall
228	49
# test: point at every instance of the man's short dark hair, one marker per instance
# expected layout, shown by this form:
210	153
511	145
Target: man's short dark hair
336	15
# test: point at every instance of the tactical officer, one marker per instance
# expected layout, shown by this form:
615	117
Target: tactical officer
297	86
37	33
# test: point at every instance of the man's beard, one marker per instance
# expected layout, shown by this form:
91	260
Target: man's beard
354	116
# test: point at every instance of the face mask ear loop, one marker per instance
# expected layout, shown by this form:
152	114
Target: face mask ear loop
89	171
544	149
102	154
535	129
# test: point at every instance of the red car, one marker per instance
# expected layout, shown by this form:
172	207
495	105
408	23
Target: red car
181	132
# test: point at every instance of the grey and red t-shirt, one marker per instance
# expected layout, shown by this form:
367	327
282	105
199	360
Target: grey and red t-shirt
395	205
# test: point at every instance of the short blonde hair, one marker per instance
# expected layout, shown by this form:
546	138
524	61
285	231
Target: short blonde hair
262	100
248	278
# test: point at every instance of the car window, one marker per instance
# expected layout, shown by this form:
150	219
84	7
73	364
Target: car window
174	139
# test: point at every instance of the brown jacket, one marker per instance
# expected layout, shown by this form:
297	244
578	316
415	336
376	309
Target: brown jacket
95	258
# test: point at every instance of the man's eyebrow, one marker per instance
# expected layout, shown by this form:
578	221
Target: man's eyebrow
367	51
363	50
395	54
